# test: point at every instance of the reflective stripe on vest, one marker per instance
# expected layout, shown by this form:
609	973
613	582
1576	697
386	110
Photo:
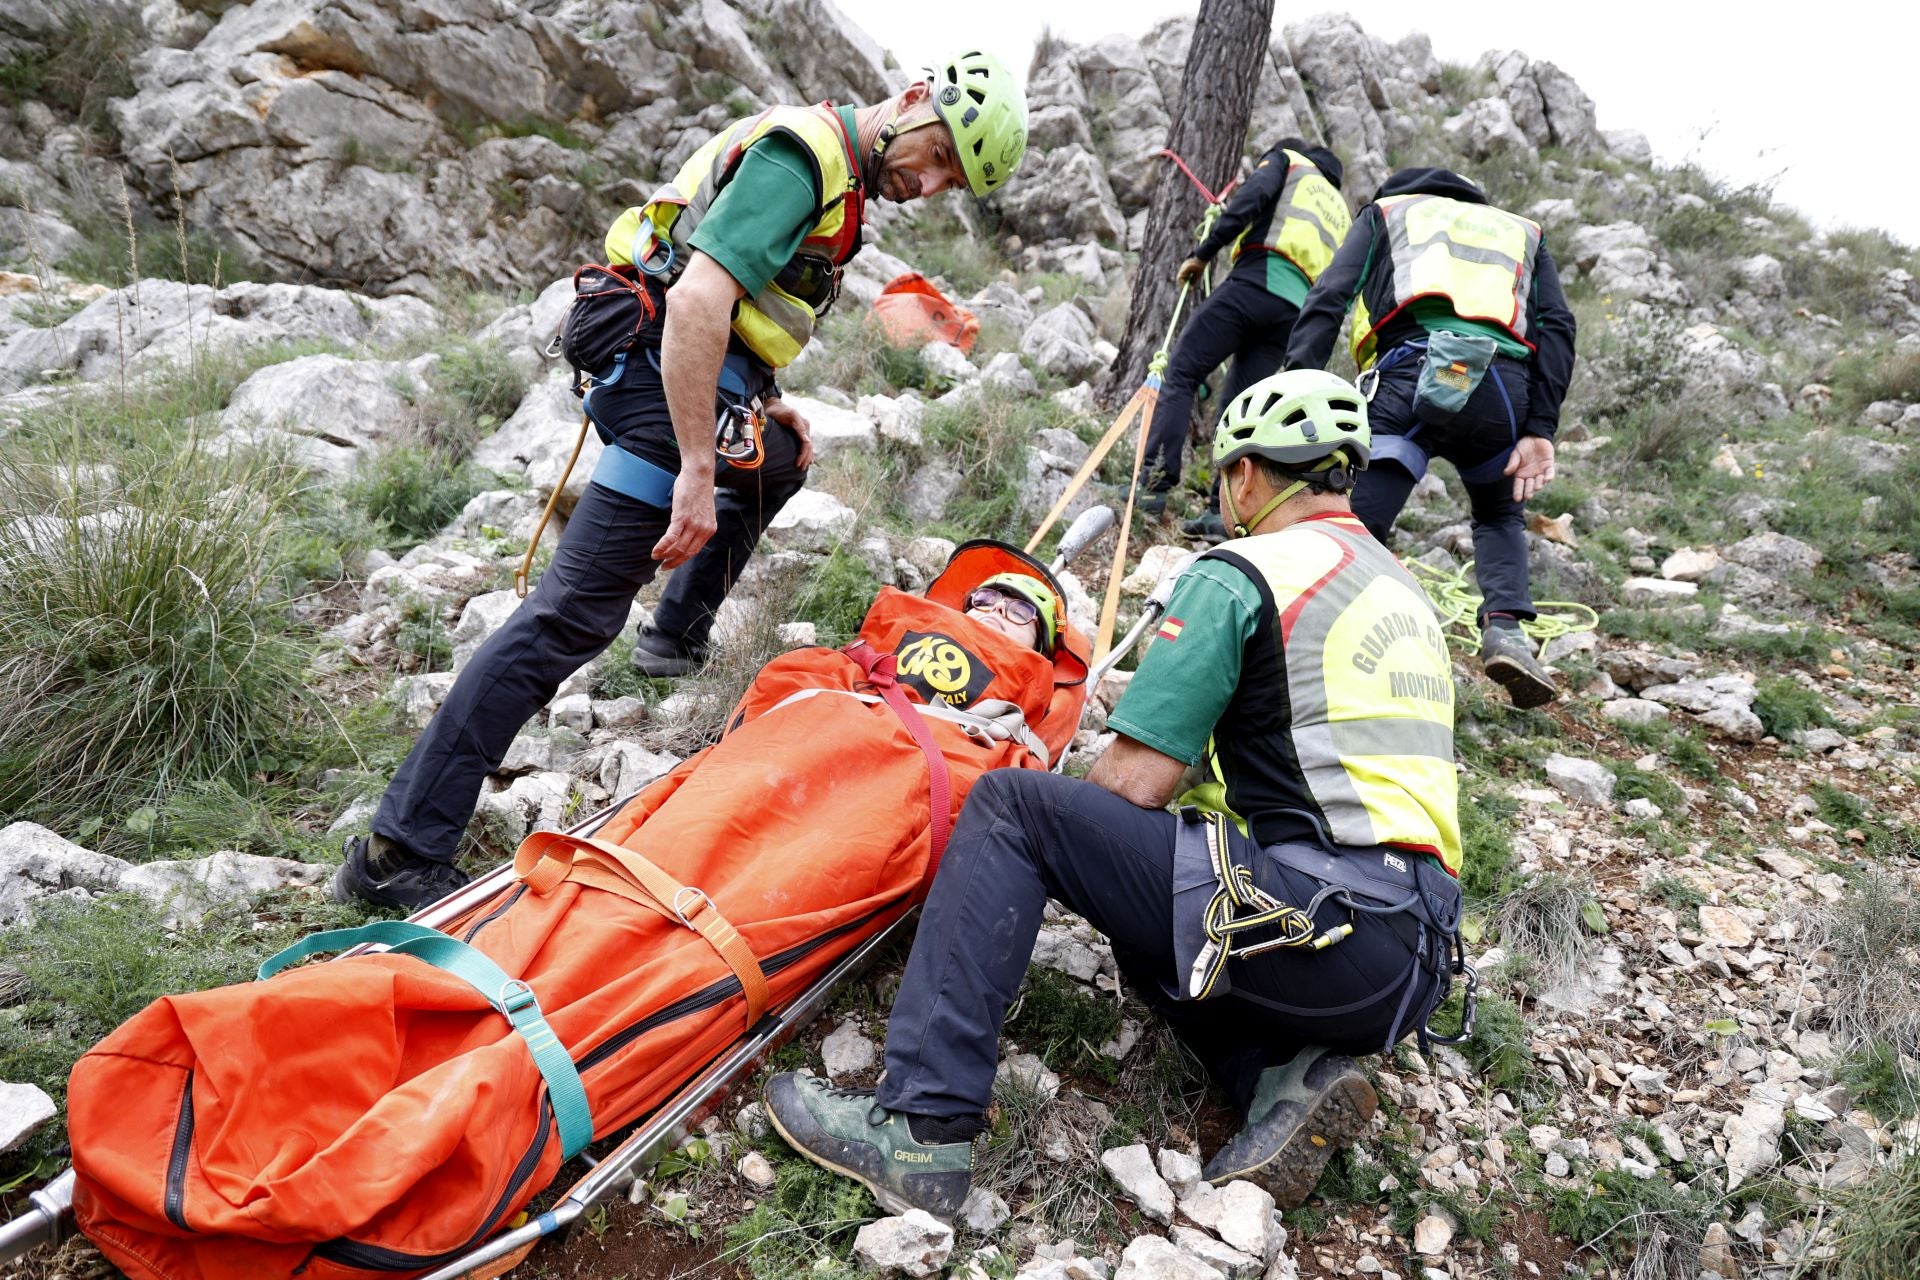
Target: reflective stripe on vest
1477	258
1369	683
774	324
1309	221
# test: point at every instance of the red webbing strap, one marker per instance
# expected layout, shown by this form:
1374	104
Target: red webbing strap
879	669
1194	179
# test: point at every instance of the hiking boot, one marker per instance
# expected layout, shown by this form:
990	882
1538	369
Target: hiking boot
1209	526
846	1131
392	877
1301	1114
1507	656
660	656
1152	504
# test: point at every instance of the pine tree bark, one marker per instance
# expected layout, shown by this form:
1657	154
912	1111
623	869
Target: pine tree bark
1209	131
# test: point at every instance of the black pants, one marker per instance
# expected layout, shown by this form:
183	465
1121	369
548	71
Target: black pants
574	612
1481	431
1025	836
1240	319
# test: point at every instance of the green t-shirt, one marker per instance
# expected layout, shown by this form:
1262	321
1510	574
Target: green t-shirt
1193	665
1286	281
756	223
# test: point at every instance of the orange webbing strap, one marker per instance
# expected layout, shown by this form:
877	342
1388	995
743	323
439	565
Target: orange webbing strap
1141	406
521	574
547	859
1087	468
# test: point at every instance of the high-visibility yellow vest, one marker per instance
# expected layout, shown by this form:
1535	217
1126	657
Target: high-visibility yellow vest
1309	221
1477	258
1364	734
774	323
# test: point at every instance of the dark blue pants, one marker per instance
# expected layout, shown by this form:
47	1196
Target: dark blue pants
1481	431
1241	320
573	613
1026	836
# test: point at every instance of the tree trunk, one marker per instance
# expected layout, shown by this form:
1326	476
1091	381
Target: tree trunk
1209	132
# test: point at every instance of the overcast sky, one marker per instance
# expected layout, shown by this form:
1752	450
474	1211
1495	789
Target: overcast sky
1821	105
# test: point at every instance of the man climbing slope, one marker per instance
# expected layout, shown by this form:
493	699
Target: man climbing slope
1283	225
1466	345
738	255
1304	664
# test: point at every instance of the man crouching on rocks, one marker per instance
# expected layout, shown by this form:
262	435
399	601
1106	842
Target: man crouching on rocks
1305	667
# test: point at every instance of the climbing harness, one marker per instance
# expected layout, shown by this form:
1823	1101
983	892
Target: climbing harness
1459	605
1216	904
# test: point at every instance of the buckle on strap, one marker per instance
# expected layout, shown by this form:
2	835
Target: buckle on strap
699	896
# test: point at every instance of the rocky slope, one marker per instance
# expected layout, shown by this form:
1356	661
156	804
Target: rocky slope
1692	879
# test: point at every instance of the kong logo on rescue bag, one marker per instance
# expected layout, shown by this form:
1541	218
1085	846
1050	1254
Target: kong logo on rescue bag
942	669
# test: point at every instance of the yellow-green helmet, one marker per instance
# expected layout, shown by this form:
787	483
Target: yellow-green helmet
1038	594
1297	419
985	109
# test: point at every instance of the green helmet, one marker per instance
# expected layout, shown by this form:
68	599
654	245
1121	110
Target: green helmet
1310	423
1040	596
1297	418
985	109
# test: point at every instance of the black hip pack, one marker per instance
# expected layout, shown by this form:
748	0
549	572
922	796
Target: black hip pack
611	307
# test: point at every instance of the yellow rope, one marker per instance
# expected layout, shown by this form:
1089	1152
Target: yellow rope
1459	607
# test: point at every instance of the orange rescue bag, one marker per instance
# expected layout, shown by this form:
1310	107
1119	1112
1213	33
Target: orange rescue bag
911	312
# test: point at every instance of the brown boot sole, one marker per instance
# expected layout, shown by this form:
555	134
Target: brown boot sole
1337	1118
1522	686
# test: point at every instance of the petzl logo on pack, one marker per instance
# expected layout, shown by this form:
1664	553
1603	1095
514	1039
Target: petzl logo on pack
941	669
1396	864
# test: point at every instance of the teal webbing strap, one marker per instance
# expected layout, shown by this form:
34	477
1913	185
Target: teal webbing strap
509	995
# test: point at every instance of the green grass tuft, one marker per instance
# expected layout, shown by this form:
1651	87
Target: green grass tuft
142	641
411	492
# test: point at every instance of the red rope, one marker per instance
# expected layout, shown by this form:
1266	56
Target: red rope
1198	185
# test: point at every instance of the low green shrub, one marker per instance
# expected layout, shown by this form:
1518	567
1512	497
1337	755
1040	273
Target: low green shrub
411	492
835	597
1064	1022
1785	706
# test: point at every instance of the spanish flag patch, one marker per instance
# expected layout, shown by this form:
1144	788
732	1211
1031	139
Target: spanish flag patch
1169	630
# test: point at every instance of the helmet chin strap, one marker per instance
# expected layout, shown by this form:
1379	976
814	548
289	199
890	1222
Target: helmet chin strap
1335	460
1246	530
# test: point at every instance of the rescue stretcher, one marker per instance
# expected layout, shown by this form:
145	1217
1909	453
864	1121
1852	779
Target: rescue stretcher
49	1217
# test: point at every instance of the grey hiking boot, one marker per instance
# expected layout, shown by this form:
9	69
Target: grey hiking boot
392	877
1506	655
1301	1114
655	654
846	1131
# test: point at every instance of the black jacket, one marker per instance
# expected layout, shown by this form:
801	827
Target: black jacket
1252	205
1550	322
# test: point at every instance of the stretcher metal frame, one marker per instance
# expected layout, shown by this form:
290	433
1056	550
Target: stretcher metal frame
48	1220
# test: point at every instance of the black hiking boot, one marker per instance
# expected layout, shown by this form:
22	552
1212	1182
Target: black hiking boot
1301	1114
847	1132
393	877
1506	655
662	657
1208	526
